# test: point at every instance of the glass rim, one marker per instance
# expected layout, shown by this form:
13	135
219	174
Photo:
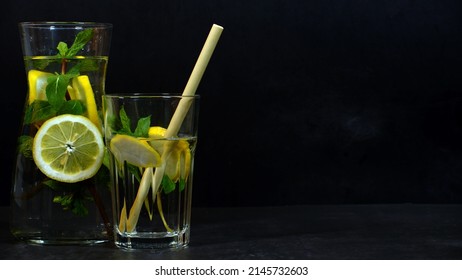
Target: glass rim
65	24
148	95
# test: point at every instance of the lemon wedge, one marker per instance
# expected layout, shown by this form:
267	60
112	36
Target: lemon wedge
37	85
157	132
68	148
135	151
81	90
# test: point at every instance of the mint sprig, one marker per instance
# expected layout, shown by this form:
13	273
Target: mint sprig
142	126
124	126
56	90
73	196
80	41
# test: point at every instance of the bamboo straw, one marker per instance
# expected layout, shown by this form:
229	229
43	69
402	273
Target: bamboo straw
194	80
175	123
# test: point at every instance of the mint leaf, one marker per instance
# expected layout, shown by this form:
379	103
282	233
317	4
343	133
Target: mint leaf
142	127
106	160
64	200
39	110
52	184
78	207
125	122
72	198
62	48
135	170
74	107
112	122
80	41
88	66
57	88
64	187
74	71
72	202
25	145
41	63
167	184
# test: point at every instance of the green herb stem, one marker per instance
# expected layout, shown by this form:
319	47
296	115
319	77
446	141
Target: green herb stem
63	66
99	204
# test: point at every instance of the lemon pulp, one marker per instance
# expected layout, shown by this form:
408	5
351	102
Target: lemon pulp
68	148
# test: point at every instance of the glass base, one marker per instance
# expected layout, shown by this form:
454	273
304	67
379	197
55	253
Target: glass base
38	238
176	240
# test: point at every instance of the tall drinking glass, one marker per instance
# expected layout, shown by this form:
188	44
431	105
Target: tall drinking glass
151	164
60	192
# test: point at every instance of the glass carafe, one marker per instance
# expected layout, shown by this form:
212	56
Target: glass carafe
60	192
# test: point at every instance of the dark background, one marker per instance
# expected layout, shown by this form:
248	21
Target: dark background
303	101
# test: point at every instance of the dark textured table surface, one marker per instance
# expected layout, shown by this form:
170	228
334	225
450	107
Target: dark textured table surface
312	232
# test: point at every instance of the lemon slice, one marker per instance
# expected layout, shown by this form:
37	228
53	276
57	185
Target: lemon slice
134	151
81	90
178	164
37	85
68	148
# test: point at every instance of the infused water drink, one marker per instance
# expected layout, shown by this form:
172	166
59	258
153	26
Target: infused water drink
60	183
151	171
165	212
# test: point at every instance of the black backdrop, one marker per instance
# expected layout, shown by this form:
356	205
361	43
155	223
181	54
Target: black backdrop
304	101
